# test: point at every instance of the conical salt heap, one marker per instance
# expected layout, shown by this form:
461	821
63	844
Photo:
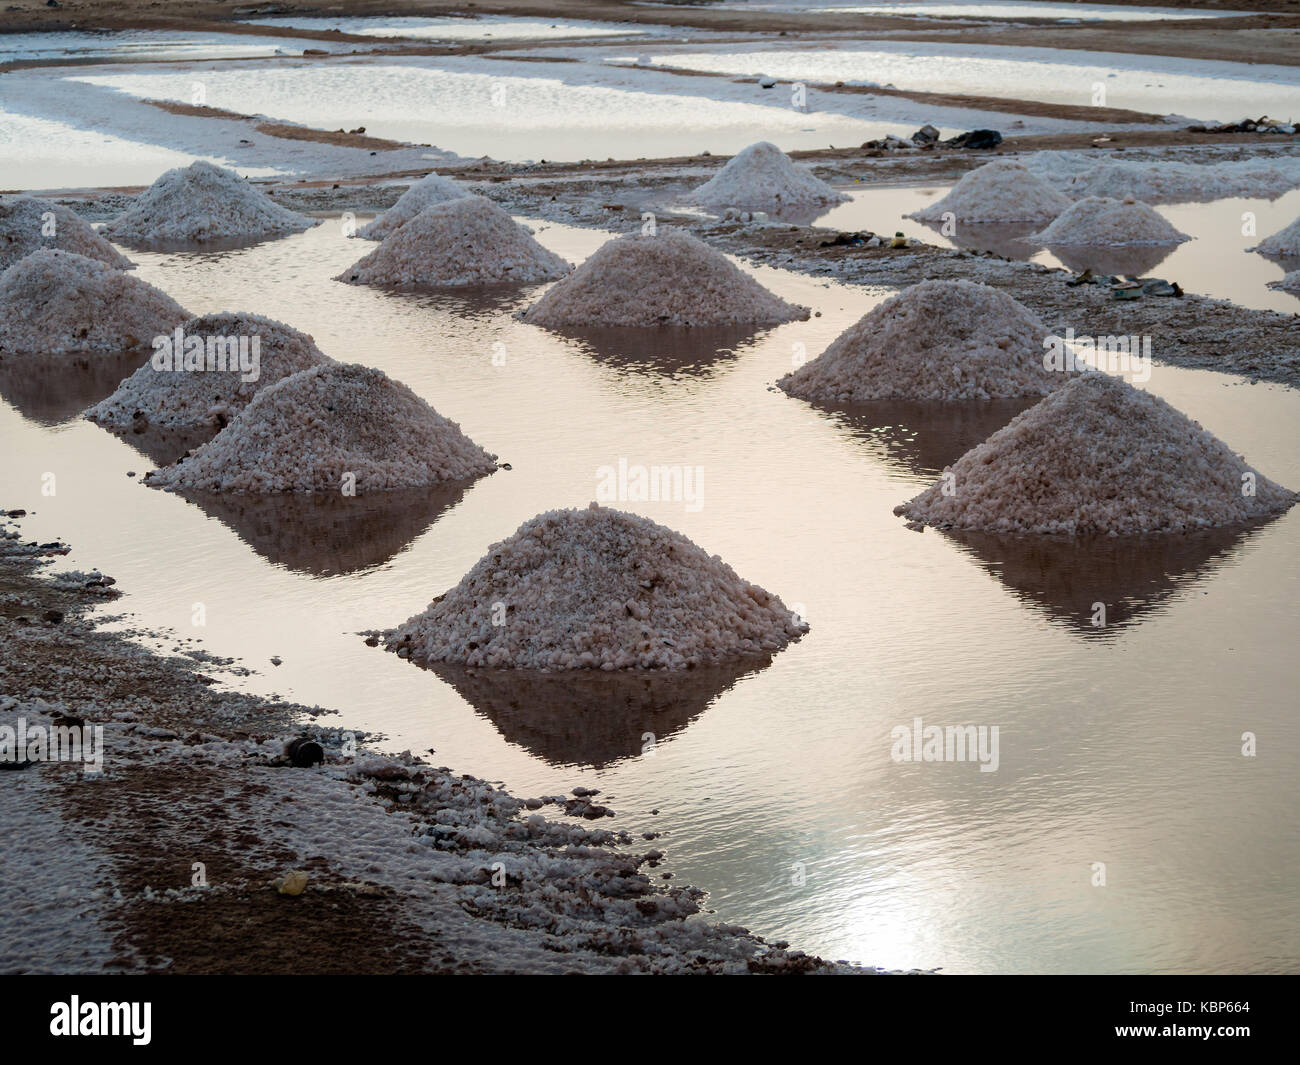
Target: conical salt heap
597	589
1001	191
1284	244
939	340
666	278
56	302
28	224
466	241
424	193
179	390
310	431
763	176
1100	221
1098	457
201	203
1289	283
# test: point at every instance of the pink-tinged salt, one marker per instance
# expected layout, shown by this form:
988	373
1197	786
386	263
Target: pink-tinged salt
57	302
1001	191
762	176
465	241
1099	456
1284	244
665	278
176	390
201	203
939	340
28	224
334	428
424	193
598	589
1101	222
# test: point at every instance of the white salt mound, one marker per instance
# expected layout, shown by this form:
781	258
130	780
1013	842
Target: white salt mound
763	176
179	398
307	431
939	340
28	224
598	589
1170	181
1284	244
424	193
466	241
1100	221
1290	283
56	302
200	203
1098	456
1000	191
668	278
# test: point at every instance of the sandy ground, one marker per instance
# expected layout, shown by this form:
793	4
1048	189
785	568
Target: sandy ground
400	856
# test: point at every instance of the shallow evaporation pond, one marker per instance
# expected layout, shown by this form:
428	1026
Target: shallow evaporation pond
994	9
495	27
1220	91
42	153
1119	745
508	111
142	45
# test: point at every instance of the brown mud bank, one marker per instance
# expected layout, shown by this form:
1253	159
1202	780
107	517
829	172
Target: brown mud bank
186	835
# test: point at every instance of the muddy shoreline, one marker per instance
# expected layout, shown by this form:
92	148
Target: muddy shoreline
187	834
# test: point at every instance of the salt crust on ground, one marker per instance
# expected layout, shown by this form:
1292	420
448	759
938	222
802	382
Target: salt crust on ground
56	302
1001	191
466	241
1100	221
1290	283
665	278
178	399
598	589
939	340
1099	456
203	202
763	176
23	222
1284	244
1171	181
304	433
424	193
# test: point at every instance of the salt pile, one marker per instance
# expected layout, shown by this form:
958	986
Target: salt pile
28	224
174	392
202	203
323	428
56	302
665	278
1170	181
1290	283
1101	221
1001	191
466	241
763	176
424	193
939	340
597	589
1284	244
1099	456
